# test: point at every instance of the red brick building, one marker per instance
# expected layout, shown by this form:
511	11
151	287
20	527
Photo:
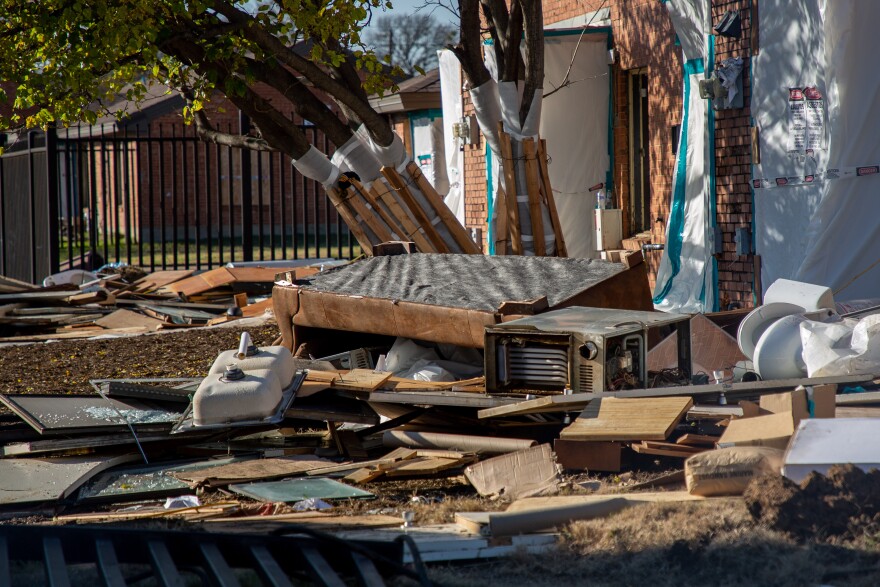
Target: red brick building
646	85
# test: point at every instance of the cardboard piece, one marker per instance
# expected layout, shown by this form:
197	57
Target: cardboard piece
797	403
773	430
123	318
820	443
519	474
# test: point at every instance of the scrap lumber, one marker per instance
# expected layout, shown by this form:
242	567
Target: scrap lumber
393	224
456	230
321	519
411	230
583	455
533	189
123	318
523	522
252	470
460	442
630	419
363	380
561	250
668	449
512	205
227	276
697	440
547	404
400	186
539	503
348	215
502	232
192	512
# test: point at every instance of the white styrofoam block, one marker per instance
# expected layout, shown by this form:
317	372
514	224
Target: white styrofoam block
819	443
806	295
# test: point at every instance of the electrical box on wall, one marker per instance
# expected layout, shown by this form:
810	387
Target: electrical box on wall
743	239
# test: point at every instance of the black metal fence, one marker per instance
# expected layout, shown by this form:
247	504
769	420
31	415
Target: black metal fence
156	196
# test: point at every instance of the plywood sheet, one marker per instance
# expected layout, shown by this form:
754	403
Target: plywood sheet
123	318
537	503
159	279
542	405
361	380
631	419
257	469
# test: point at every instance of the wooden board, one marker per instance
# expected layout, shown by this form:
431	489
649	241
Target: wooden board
543	405
411	229
399	185
159	279
668	449
507	167
365	380
697	440
533	188
551	200
123	318
537	503
459	234
348	216
256	309
252	470
383	211
501	216
630	419
426	466
223	276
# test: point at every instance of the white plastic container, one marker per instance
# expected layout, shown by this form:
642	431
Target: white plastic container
272	358
234	395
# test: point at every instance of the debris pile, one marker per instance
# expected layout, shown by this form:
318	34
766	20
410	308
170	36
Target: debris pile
432	382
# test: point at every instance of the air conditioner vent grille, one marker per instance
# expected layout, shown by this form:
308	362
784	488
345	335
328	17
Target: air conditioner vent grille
539	366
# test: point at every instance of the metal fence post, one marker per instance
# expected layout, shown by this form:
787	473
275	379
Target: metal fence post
52	164
247	214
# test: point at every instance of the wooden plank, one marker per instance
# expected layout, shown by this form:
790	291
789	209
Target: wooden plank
561	250
411	229
547	404
365	380
533	190
507	165
538	503
459	234
158	279
670	450
656	444
630	419
425	466
123	318
369	217
350	219
256	309
502	234
398	184
252	470
697	440
856	399
440	398
383	211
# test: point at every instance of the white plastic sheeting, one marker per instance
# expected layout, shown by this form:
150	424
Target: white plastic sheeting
685	278
791	55
450	94
843	233
428	150
575	124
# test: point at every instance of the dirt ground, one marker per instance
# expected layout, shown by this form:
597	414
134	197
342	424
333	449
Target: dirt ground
824	532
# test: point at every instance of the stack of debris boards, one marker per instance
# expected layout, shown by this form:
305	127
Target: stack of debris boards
132	302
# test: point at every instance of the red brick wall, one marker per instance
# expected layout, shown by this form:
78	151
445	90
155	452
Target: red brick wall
733	167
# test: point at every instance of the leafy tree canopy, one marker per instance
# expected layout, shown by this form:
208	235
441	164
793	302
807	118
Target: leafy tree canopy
67	60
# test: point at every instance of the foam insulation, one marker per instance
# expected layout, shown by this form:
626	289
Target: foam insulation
315	165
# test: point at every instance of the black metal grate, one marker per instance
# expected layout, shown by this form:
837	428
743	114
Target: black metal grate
62	556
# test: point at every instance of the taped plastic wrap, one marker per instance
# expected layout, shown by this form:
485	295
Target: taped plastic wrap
315	165
450	93
356	156
393	155
487	107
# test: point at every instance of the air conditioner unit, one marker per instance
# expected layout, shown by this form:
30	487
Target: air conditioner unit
589	349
